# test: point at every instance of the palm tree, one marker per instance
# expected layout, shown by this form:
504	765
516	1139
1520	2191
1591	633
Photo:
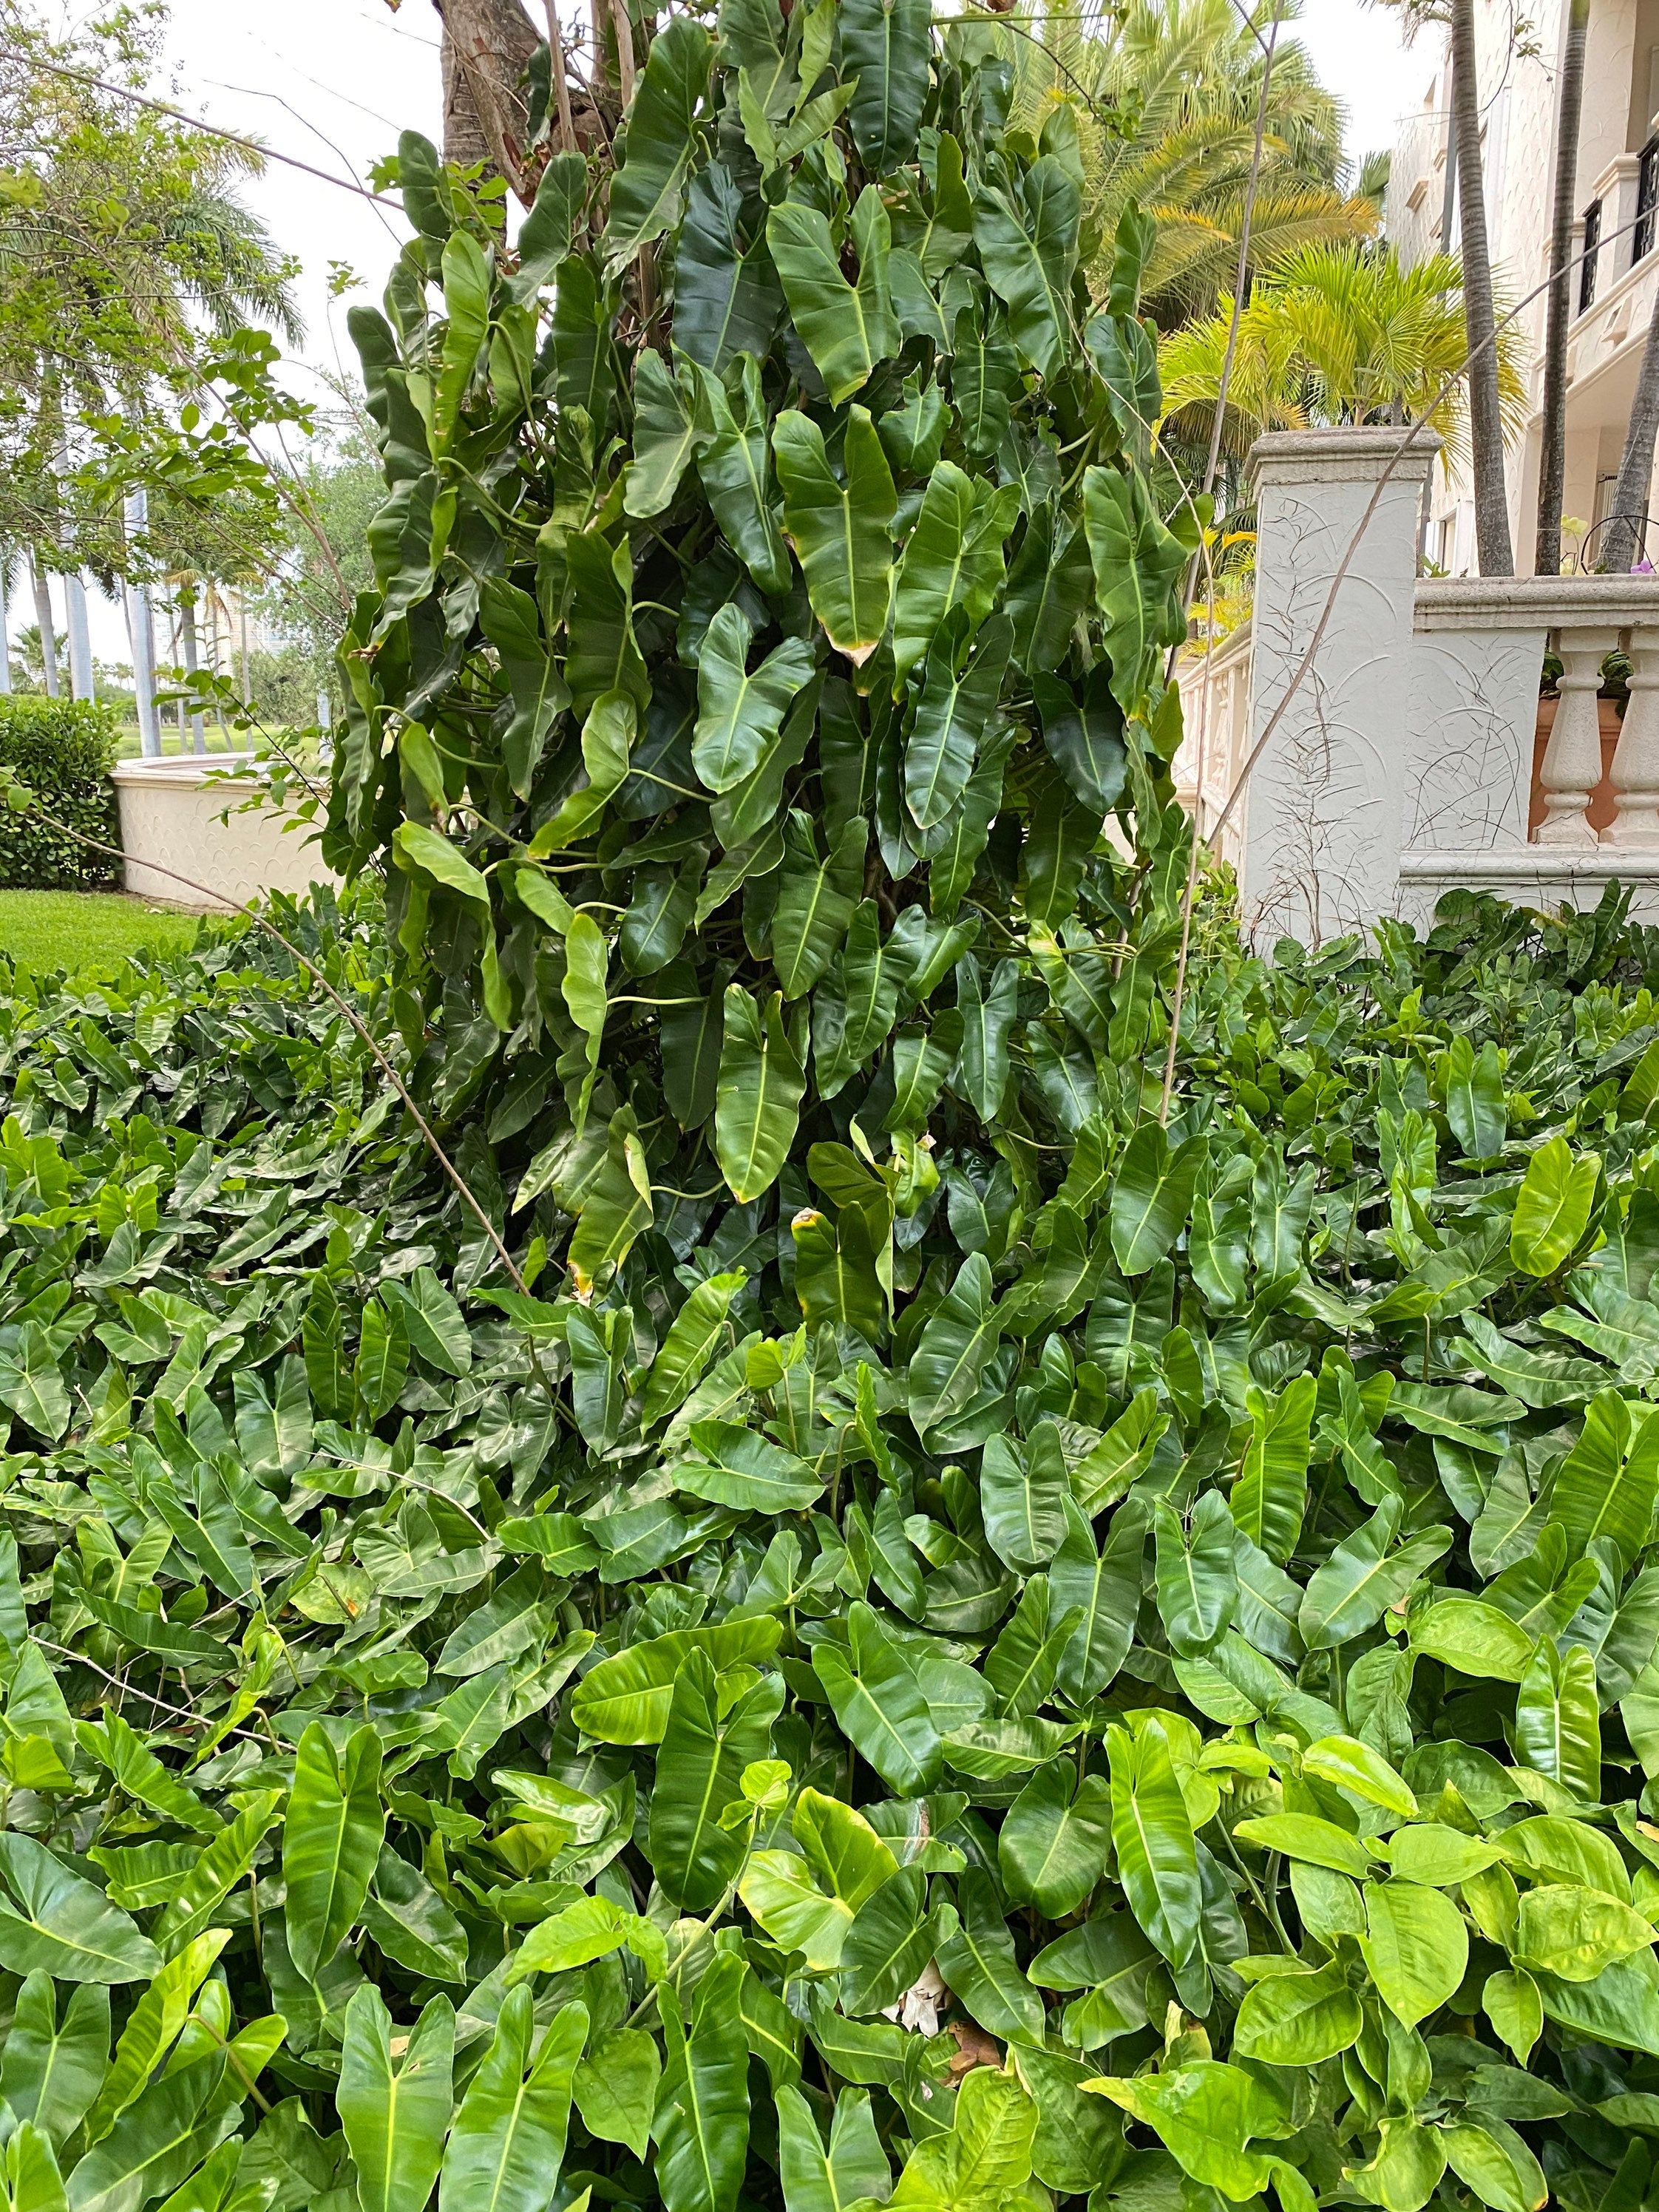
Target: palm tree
1553	455
1466	185
490	54
39	651
1332	334
1179	83
121	242
1492	506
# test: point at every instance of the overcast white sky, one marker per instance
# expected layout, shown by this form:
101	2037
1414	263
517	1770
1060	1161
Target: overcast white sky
334	81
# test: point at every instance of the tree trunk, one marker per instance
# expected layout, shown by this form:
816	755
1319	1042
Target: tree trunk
559	80
43	616
1491	513
1448	214
187	648
1553	449
1630	500
486	50
82	685
1448	194
140	629
5	622
217	662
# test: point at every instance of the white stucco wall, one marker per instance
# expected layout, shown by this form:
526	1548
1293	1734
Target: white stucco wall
170	813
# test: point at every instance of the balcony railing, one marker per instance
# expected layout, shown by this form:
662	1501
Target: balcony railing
1592	255
1647	199
1412	758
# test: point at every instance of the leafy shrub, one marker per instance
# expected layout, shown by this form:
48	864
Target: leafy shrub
304	1707
331	1624
63	749
930	1545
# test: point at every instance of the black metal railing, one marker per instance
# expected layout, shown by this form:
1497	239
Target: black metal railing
1647	199
1587	269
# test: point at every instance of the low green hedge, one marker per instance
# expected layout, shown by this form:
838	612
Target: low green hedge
63	749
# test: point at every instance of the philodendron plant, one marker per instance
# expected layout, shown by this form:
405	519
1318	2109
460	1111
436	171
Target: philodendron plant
929	1616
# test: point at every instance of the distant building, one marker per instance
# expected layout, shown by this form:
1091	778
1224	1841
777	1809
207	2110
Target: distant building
1617	204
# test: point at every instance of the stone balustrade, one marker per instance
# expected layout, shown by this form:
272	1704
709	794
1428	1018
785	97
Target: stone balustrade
1402	765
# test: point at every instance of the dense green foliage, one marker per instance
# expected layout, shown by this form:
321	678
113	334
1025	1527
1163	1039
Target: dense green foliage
920	1630
1250	1724
62	750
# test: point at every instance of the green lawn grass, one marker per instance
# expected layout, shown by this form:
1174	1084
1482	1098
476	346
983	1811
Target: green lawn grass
130	747
84	931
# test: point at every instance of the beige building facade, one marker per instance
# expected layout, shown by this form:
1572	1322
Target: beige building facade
1617	230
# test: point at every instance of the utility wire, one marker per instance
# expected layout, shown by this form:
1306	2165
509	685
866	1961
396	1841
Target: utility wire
196	122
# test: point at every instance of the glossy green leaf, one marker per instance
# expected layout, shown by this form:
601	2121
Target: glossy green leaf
885	49
508	2136
53	1921
1023	1495
664	436
954	1345
395	2112
847	328
1552	1206
853	2170
739	714
615	2086
1298	2019
1606	1486
645	192
878	1704
627	1697
1027	242
702	2122
840	528
1151	1193
332	1840
540	691
1056	1840
1153	1836
731	429
1416	1946
1206	2114
1137	563
954	557
1197	1573
758	1095
1557	1727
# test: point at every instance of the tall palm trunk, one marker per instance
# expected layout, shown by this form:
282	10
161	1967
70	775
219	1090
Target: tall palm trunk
1553	449
1491	511
1630	500
5	622
187	647
487	48
43	616
1448	214
82	685
140	629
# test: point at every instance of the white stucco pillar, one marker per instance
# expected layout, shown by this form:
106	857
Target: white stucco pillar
1323	807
